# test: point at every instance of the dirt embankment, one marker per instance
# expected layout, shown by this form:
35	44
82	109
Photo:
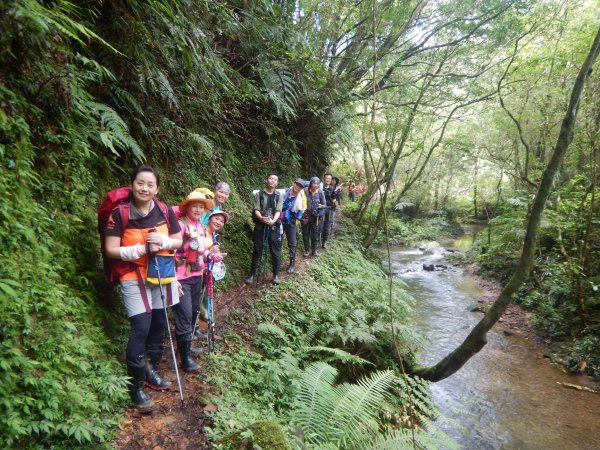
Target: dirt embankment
515	320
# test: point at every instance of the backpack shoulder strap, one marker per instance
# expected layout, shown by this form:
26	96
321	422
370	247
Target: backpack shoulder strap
124	213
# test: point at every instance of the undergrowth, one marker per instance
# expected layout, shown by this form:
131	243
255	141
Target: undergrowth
332	318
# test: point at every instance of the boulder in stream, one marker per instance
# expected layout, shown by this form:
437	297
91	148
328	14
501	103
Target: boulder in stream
428	267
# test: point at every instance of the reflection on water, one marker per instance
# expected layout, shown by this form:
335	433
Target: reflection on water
506	396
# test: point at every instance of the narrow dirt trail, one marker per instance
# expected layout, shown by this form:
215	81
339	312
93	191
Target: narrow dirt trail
171	426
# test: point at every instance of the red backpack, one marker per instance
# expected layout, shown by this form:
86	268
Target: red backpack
118	198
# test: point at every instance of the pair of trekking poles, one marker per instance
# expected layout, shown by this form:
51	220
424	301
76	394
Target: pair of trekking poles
210	320
210	333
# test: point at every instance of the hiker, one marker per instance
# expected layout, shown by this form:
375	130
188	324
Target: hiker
351	190
221	194
190	260
151	229
267	227
294	202
216	221
315	208
330	203
337	201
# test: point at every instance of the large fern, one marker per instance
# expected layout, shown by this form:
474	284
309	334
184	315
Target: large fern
114	131
343	414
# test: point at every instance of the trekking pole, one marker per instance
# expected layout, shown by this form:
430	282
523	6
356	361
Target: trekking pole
199	310
210	332
162	297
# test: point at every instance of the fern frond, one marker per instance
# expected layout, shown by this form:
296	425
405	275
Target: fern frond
114	130
270	328
204	143
342	355
356	413
315	401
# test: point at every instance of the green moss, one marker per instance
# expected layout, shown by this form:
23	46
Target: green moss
267	435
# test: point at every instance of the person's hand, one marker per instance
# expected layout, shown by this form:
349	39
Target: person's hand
154	238
218	257
153	248
154	241
179	289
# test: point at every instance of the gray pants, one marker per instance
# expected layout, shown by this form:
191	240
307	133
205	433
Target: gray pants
327	222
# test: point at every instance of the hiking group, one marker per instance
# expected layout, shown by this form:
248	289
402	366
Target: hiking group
166	257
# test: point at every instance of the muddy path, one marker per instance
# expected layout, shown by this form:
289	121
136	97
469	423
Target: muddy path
171	426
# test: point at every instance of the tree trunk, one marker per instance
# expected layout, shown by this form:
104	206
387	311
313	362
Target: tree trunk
476	339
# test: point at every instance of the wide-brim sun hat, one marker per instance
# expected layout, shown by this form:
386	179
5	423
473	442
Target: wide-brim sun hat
225	214
196	197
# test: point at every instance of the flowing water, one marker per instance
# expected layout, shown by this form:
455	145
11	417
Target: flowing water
507	396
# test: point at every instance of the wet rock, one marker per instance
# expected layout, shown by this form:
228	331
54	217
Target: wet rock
428	267
430	248
441	266
450	250
508	332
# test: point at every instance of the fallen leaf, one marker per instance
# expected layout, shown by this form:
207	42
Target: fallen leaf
210	407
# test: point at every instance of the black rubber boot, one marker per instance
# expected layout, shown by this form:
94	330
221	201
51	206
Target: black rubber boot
140	400
290	268
253	269
184	345
153	380
276	279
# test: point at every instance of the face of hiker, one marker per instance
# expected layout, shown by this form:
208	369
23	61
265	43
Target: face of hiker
327	180
216	222
221	196
296	189
195	210
272	181
144	187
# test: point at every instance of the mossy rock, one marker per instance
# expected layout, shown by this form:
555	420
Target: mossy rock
267	435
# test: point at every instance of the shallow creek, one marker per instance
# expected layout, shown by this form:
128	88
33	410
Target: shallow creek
507	396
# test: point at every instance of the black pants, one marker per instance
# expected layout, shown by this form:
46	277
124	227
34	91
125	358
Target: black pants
147	330
310	233
186	311
291	232
327	222
273	237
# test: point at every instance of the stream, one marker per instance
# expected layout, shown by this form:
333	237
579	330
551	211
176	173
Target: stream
507	396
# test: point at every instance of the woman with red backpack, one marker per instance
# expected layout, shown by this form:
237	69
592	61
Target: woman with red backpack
141	234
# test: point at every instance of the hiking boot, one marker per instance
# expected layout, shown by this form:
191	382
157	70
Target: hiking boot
196	350
290	268
315	253
184	345
276	279
197	334
305	253
153	380
140	400
251	279
325	245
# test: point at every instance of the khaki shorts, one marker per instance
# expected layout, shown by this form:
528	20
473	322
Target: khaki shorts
132	297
